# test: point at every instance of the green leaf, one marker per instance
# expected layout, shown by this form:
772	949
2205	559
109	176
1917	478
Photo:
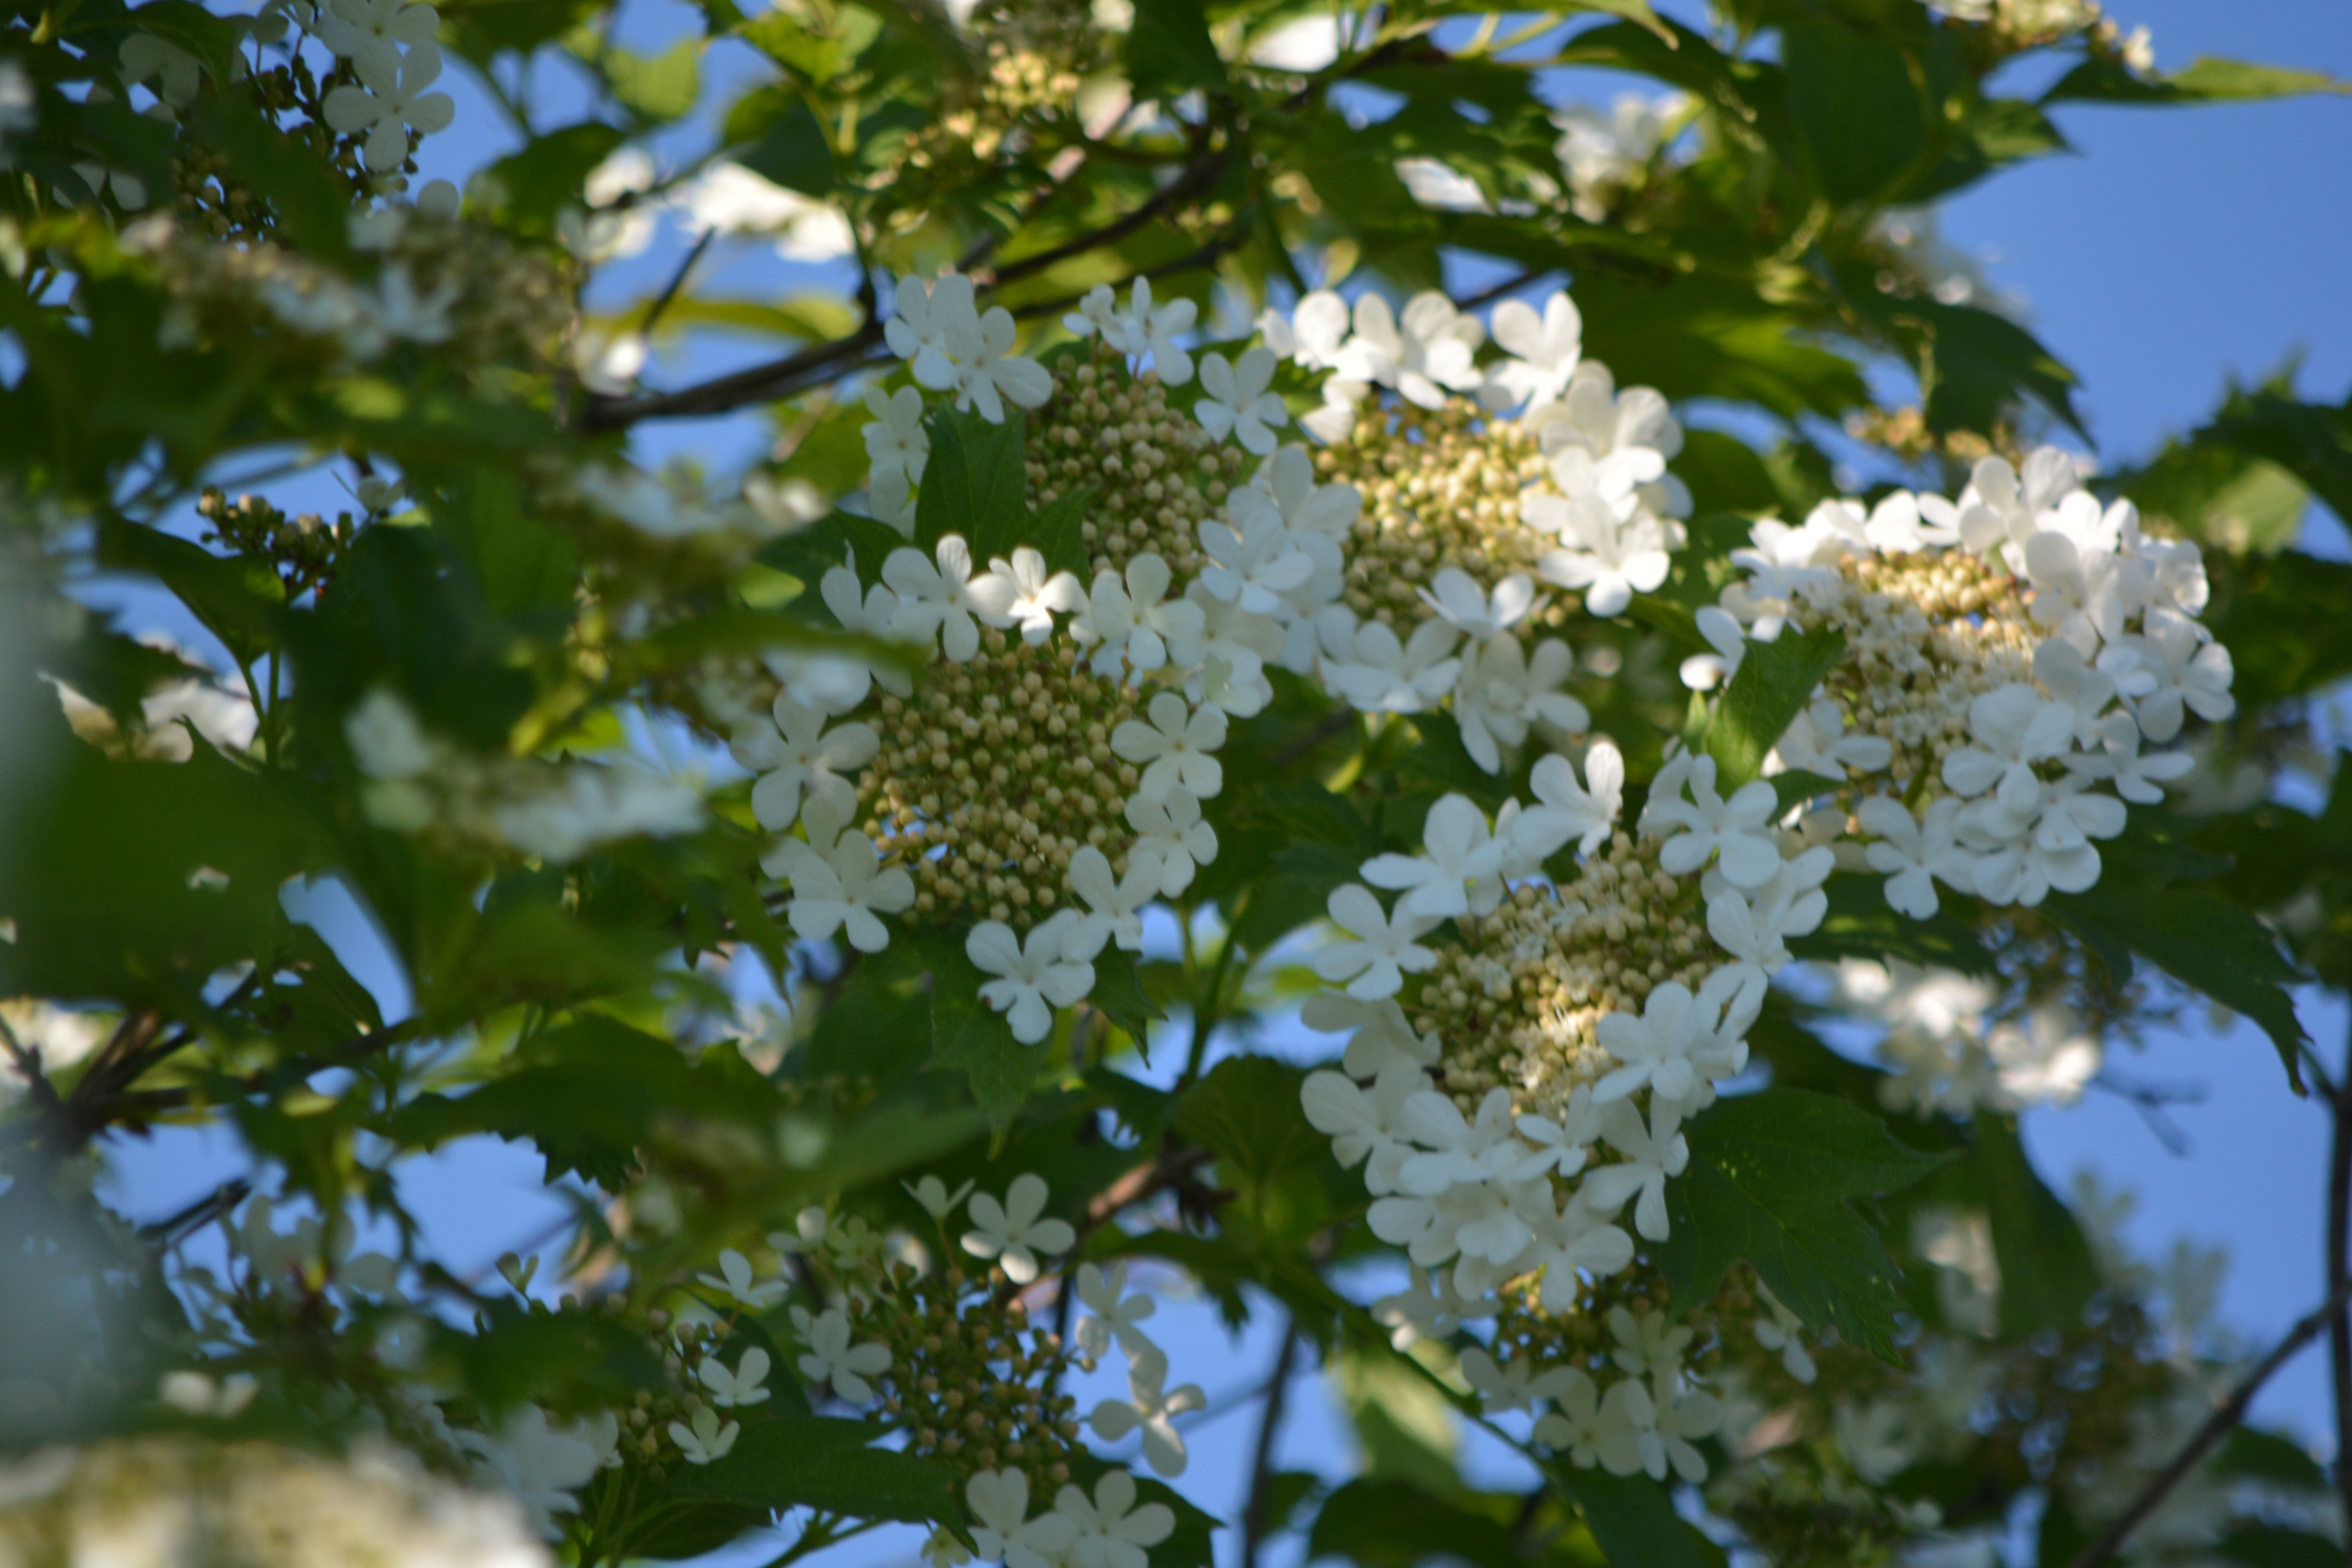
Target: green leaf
1059	532
547	175
1793	790
2270	1457
1120	996
1297	884
793	151
1769	1180
532	1353
1854	102
659	88
1859	924
1771	687
1634	1521
812	1462
2206	942
1246	1112
310	202
1974	366
970	1036
2047	1272
973	485
2204	80
1390	1523
1169	51
2277	1546
1408	1428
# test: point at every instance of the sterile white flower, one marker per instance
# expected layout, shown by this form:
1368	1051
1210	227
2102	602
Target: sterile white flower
1110	1531
1502	694
1002	1528
1114	904
1173	837
988	375
1471	610
1607	558
2139	778
1174	749
933	1194
1151	1408
1429	350
1129	618
741	1386
1739	828
1016	1232
935	600
1153	330
544	1464
390	103
1545	351
1366	1124
924	319
1234	400
896	441
1052	969
1816	742
357	29
1381	948
1020	592
735	1277
1583	815
1378	674
832	1358
2172	666
795	753
2014	726
1253	560
1116	1313
707	1439
1456	872
843	887
1663	1048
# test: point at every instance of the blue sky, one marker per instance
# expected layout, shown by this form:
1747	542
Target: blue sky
2179	249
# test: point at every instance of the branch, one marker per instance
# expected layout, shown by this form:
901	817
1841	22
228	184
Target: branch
28	1062
2339	1277
2217	1425
1278	1385
1197	177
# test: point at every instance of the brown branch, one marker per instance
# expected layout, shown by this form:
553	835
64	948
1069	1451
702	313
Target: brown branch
2217	1425
1277	1386
1198	177
724	393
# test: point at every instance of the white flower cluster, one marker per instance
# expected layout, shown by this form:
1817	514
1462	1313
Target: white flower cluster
1948	1055
1604	154
2017	718
1600	522
416	783
1108	1530
1535	1176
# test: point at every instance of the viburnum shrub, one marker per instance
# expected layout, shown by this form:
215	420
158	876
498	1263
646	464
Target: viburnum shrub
1329	685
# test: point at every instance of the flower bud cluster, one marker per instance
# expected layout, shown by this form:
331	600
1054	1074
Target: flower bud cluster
1155	474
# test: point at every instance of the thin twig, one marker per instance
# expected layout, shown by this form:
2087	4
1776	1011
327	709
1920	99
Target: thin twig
2217	1425
1278	1385
2339	1277
219	1201
676	281
1508	286
1197	177
28	1061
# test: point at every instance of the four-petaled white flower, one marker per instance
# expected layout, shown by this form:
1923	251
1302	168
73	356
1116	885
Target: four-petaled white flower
831	1357
1020	592
1502	694
1153	330
1652	1152
1915	854
368	29
1129	618
1234	400
935	600
1174	749
1053	969
741	1386
707	1438
1173	837
1016	1232
924	316
1607	558
1114	904
1252	559
1739	828
896	441
1570	810
796	753
1666	1048
2014	726
1151	1408
1375	673
842	886
1117	1315
736	1279
933	1194
1001	1525
1469	609
1456	871
1381	948
391	102
1544	348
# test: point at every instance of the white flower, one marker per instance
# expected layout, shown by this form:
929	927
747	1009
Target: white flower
924	318
896	441
1501	1389
1022	592
1234	400
2015	727
361	29
542	1464
1456	872
1116	904
1002	1528
1647	1346
736	1279
1680	1419
1307	507
1879	1439
1652	1152
1668	1048
1173	837
1174	749
1571	811
2137	778
1379	949
1098	313
194	1393
1783	1331
988	375
1998	508
1466	607
741	1386
1052	969
1153	330
1739	828
1608	1432
1430	350
707	1439
1132	619
933	1194
390	103
935	600
1376	673
1502	694
1366	1124
1608	558
1314	335
176	73
831	1358
1110	1531
1380	1032
1816	742
1252	559
796	753
2026	858
1016	1232
1544	348
842	885
1117	1314
1626	438
2061	668
1151	1408
1916	854
1560	1147
2173	665
2049	1060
